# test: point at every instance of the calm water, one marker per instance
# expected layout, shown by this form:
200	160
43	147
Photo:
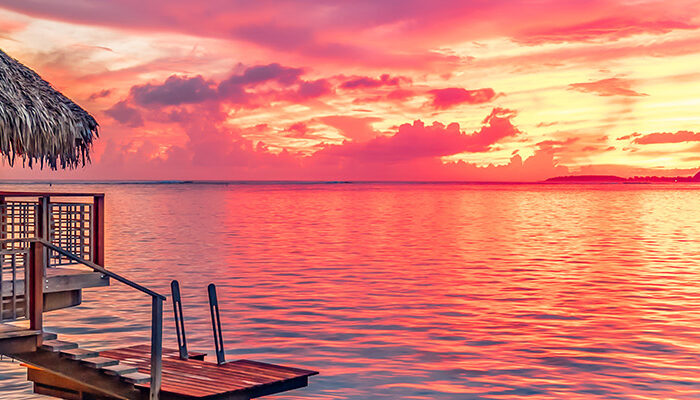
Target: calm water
415	291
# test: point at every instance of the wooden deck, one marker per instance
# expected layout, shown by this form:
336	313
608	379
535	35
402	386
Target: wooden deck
197	379
61	280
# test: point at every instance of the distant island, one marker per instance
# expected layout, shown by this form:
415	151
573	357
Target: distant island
619	179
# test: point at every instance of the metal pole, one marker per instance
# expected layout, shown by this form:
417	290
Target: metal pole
216	325
156	348
179	320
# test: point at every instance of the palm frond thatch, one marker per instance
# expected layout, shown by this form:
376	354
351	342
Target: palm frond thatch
38	123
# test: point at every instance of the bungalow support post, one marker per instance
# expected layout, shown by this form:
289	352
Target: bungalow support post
36	288
98	244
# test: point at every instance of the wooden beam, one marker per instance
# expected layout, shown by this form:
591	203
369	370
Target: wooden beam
75	371
48	383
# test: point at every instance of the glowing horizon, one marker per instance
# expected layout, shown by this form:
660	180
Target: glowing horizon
371	90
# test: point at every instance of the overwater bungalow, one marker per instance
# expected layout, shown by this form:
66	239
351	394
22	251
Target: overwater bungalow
52	246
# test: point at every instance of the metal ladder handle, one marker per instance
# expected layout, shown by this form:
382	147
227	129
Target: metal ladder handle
216	325
179	320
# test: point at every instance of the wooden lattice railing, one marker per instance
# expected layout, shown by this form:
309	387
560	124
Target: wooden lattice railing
74	225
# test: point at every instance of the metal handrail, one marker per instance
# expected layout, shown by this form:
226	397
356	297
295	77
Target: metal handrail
156	317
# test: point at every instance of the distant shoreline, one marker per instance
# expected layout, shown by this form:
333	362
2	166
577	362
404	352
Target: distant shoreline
619	179
576	179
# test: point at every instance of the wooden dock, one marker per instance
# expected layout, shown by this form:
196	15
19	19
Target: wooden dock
197	379
181	379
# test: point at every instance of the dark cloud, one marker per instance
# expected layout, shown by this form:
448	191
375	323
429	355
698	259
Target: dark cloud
264	73
125	114
314	89
99	95
175	90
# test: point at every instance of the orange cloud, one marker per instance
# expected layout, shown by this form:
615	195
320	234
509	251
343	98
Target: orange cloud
668	137
607	87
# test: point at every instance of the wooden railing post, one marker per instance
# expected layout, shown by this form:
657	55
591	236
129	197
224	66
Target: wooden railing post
156	347
42	225
3	221
35	298
98	229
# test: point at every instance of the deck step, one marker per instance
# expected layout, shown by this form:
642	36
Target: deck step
49	336
58	345
79	354
99	362
119	369
136	378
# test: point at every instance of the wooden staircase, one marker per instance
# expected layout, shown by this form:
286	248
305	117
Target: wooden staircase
92	359
64	365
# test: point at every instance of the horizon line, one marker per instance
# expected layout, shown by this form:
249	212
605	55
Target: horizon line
548	181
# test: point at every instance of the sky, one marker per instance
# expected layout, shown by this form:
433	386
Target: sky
488	90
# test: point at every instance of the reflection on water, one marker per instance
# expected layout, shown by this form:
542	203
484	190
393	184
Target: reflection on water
415	291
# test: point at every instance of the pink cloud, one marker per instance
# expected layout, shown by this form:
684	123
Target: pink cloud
364	82
611	28
421	141
355	128
356	31
446	98
298	130
9	26
607	87
668	137
310	90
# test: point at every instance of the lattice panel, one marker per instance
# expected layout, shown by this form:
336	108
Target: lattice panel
70	228
13	269
17	221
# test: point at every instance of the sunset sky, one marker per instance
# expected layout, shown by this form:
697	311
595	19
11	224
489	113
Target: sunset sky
370	90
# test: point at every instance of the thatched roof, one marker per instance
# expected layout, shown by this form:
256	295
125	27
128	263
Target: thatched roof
38	123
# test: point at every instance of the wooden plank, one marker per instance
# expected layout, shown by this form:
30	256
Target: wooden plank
136	377
58	345
119	369
99	362
78	354
203	381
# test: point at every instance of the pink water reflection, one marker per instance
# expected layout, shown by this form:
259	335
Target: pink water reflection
420	291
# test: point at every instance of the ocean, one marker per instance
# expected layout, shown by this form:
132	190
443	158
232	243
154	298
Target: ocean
412	291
